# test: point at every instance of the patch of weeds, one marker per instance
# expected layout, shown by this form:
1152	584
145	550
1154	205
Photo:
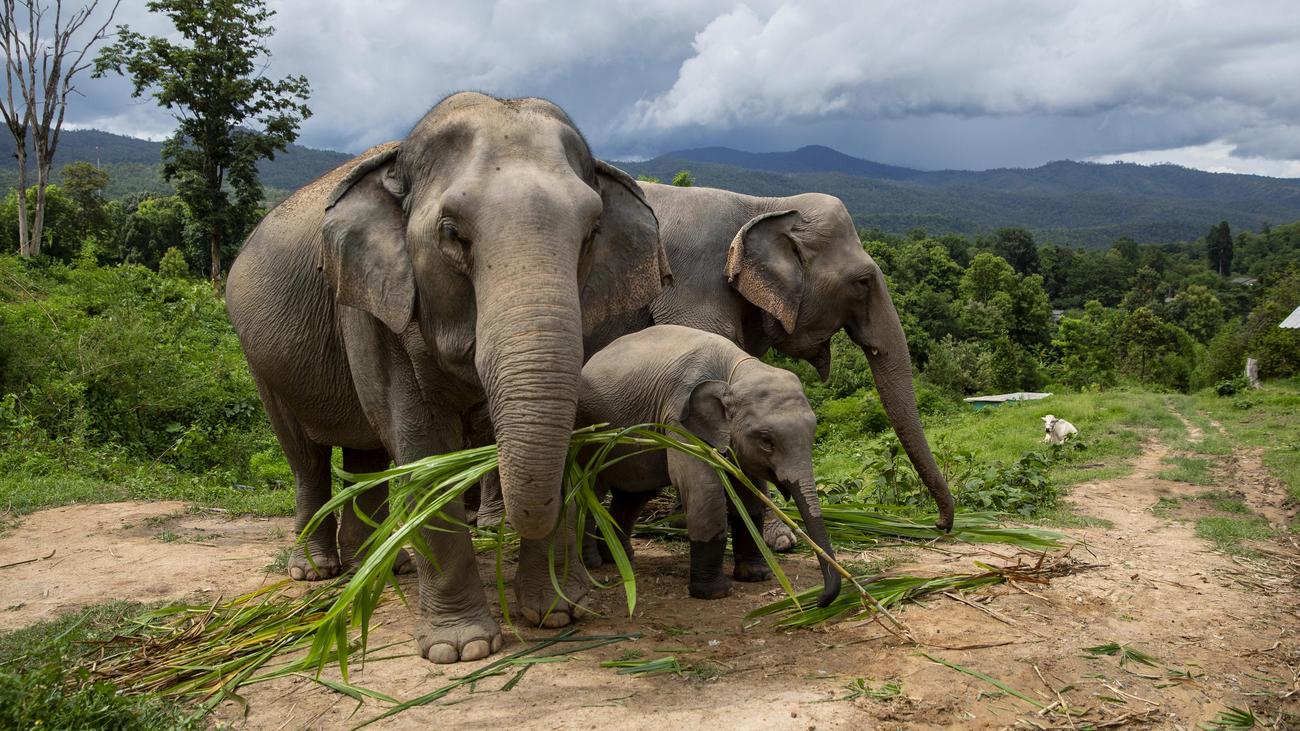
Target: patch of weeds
1231	719
1166	507
1226	502
1064	515
1227	533
1192	470
167	537
36	690
858	688
1125	653
704	671
280	564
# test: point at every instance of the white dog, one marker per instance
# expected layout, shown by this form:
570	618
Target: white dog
1058	430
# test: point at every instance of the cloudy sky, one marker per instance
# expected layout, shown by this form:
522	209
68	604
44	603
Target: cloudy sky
964	84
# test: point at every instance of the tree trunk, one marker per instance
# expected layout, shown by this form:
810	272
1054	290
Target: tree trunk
24	244
214	241
38	216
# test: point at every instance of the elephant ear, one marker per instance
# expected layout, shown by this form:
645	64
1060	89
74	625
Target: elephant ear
364	242
764	265
625	266
705	414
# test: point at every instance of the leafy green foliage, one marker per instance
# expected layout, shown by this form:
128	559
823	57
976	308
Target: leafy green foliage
117	382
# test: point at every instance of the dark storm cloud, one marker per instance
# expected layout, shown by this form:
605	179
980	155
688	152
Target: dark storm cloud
959	84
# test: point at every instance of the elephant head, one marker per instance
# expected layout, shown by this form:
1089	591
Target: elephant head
805	267
492	227
764	417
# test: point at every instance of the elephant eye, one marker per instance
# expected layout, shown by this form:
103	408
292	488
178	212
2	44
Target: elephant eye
448	230
764	440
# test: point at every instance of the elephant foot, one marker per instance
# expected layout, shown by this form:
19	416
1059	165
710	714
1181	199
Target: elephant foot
715	588
777	535
448	638
404	563
540	605
326	565
755	570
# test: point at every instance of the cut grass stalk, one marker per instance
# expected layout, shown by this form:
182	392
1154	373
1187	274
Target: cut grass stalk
988	679
892	591
657	666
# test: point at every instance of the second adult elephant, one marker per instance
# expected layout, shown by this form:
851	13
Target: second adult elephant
788	273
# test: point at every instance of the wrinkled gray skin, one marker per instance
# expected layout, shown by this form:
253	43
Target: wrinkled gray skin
705	383
786	273
383	304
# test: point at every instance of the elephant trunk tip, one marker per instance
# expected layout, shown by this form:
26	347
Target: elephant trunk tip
947	509
831	582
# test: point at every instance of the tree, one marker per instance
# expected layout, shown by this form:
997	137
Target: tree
683	179
648	179
228	114
1016	245
42	61
1218	247
1197	311
84	183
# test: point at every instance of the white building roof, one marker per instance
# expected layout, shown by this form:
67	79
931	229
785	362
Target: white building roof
1292	320
1004	397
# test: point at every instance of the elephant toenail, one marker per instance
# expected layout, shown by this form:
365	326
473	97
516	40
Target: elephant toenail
441	653
474	650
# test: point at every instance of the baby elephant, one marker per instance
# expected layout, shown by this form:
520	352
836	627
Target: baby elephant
704	383
1057	430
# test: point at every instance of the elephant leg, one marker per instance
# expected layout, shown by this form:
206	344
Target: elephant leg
353	531
749	562
625	508
536	595
705	503
491	506
455	623
776	534
316	558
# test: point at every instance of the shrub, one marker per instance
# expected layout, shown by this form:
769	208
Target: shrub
121	357
172	265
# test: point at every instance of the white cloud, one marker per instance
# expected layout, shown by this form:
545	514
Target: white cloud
1217	157
1229	66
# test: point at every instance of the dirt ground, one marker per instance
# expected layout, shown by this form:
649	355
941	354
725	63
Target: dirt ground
1232	624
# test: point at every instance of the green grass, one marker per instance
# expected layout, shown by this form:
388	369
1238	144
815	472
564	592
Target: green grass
1193	470
34	681
1227	533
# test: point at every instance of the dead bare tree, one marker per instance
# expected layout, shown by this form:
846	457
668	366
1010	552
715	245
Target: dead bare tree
41	65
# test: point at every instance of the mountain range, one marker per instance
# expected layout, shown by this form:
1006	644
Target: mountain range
1065	202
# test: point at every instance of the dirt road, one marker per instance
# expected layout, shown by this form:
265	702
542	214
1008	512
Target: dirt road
1224	630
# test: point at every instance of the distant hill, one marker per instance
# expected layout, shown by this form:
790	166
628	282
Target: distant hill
1065	202
133	164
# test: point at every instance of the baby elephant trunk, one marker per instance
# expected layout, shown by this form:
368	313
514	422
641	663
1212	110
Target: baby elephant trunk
805	497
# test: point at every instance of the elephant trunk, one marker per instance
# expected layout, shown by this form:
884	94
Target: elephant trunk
804	493
878	331
529	354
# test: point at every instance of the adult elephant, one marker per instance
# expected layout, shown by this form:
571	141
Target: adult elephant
784	273
384	303
788	273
